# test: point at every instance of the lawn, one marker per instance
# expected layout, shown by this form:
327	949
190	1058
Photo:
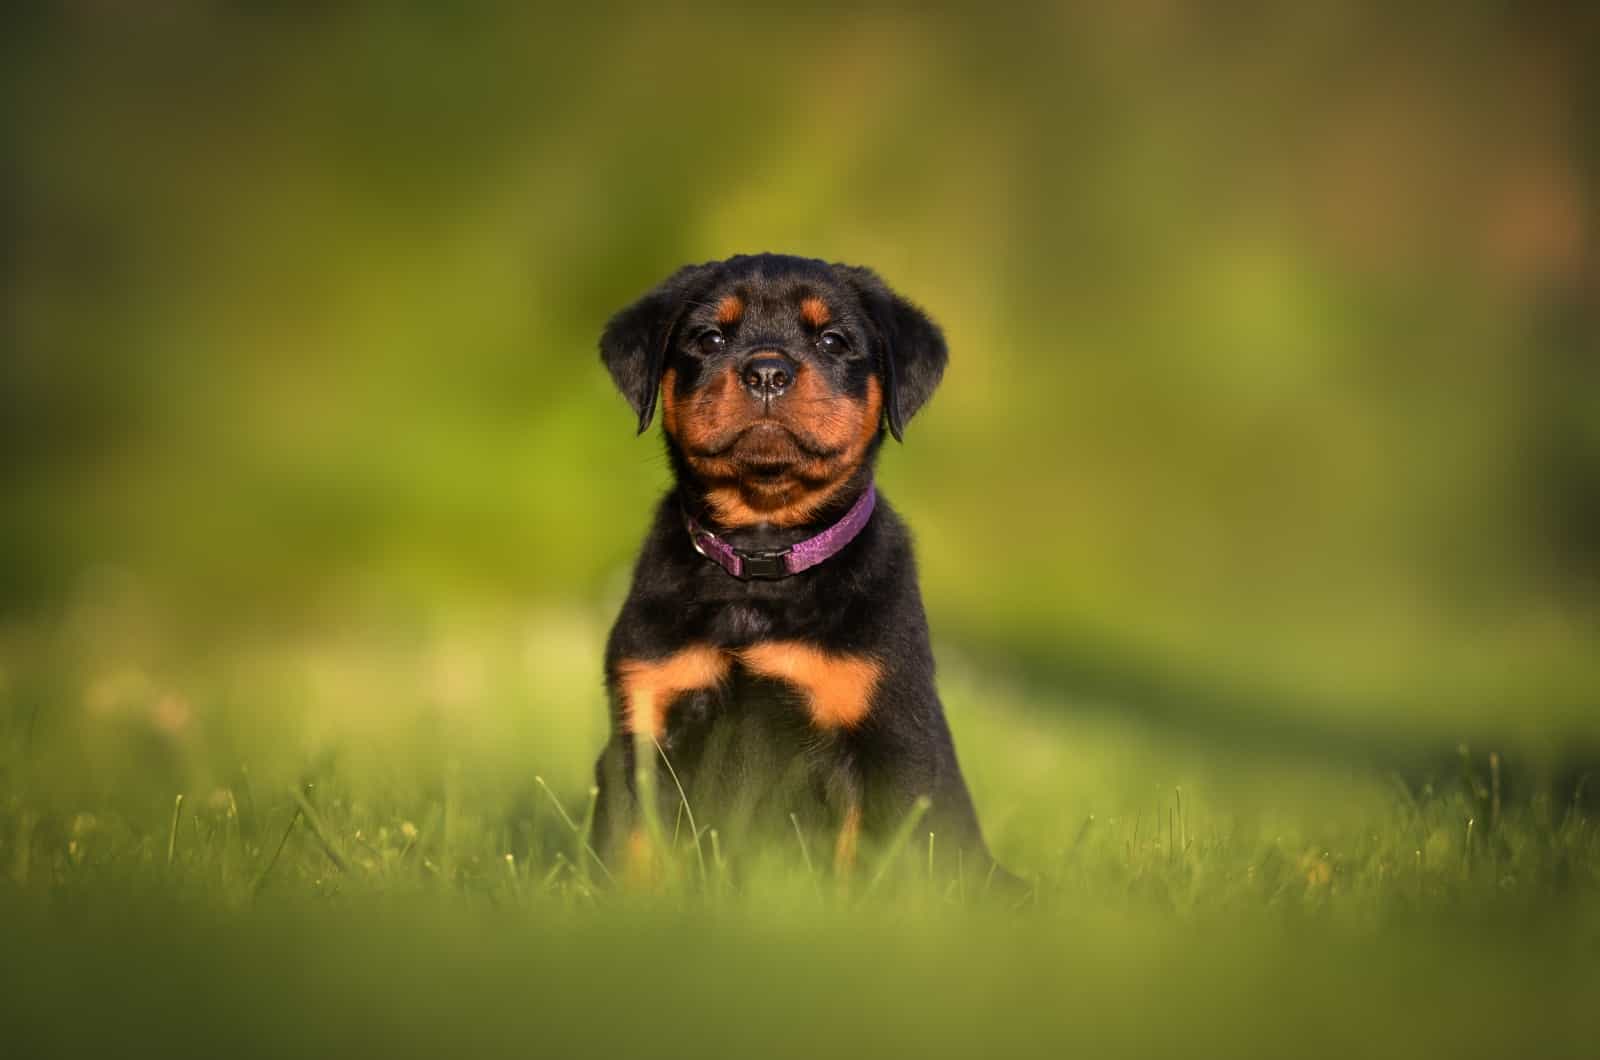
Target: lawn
371	842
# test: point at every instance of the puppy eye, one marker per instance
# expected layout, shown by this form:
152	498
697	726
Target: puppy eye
832	342
711	342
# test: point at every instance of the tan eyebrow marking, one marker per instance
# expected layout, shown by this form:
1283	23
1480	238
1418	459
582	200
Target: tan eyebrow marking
815	311
730	309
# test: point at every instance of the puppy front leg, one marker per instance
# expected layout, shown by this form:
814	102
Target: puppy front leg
643	692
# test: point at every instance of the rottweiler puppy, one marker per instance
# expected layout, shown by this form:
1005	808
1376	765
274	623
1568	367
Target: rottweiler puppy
773	650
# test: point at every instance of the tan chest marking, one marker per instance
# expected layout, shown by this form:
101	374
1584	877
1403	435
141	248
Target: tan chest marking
837	688
649	685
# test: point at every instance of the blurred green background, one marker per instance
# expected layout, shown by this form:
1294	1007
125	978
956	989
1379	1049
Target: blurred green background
1273	331
1266	473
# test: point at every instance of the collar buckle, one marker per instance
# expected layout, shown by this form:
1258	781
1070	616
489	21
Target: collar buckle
764	564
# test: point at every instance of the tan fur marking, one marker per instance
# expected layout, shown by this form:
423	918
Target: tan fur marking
640	867
837	688
705	415
814	311
730	310
844	848
831	422
669	401
649	685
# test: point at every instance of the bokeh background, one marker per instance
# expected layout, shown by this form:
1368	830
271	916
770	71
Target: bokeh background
1258	519
1273	412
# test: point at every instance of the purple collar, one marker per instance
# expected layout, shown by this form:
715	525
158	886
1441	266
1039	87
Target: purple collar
780	563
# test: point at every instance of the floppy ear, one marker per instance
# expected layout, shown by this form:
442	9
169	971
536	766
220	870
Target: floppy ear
633	346
911	347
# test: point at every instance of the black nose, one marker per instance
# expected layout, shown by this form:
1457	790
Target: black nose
767	375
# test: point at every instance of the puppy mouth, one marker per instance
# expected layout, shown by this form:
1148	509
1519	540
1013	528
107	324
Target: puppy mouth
765	448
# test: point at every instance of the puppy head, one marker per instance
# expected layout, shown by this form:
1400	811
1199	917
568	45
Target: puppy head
776	376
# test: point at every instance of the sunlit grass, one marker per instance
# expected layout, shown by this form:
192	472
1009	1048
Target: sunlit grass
386	812
422	756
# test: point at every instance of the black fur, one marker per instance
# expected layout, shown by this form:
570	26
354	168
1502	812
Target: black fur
914	347
745	752
634	345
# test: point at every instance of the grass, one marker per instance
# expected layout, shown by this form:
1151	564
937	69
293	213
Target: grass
377	842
